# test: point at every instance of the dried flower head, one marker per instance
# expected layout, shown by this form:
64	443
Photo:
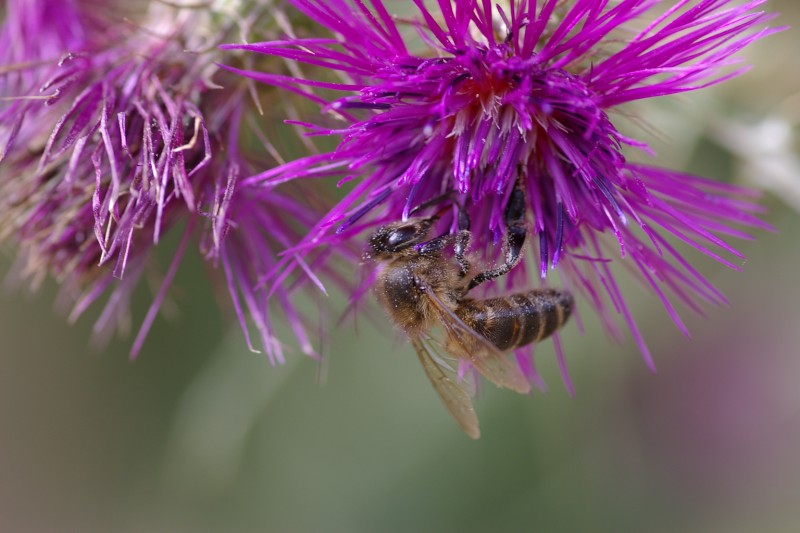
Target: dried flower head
460	100
116	128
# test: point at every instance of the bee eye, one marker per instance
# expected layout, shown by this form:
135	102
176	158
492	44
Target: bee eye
401	235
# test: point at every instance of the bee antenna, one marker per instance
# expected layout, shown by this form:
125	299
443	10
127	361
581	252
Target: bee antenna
434	201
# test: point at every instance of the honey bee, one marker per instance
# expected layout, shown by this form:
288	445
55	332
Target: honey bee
421	288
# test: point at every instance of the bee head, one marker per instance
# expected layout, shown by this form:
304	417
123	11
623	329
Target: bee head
397	237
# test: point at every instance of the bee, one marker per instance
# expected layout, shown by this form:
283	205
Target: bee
421	288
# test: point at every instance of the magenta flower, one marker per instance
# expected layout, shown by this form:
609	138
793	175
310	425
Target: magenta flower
113	133
461	101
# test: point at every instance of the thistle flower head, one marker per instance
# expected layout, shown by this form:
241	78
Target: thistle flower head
463	100
113	133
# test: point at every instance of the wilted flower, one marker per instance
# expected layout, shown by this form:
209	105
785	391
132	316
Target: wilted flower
117	127
462	100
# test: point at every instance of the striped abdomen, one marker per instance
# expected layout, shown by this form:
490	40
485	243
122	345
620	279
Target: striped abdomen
513	321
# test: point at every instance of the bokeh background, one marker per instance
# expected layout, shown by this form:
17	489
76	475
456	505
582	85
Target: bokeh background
200	435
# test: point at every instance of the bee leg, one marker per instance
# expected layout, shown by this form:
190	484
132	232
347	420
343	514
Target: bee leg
515	238
461	244
459	241
435	246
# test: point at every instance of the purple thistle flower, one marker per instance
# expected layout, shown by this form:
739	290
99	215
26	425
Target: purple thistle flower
469	97
111	135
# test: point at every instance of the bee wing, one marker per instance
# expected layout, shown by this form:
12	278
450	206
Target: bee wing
455	398
467	343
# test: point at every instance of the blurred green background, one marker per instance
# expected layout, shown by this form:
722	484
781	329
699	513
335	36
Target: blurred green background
201	435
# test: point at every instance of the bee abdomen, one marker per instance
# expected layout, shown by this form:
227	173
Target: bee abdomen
519	319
